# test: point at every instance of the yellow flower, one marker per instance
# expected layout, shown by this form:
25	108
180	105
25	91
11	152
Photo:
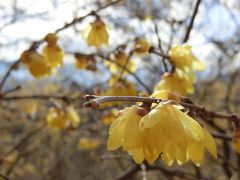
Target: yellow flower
122	59
72	116
87	144
181	56
164	132
37	65
189	141
52	52
60	119
84	61
141	46
124	132
98	34
177	82
56	119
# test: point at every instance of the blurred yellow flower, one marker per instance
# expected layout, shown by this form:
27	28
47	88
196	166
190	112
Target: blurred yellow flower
30	106
122	59
98	34
122	87
56	119
141	46
72	116
37	65
181	56
108	117
84	61
87	144
52	52
61	119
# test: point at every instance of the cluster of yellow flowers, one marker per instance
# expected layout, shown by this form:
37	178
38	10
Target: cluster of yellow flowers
43	65
181	80
59	119
165	130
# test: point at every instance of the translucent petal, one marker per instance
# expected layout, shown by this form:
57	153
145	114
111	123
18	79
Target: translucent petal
210	144
53	55
168	155
195	152
116	136
192	127
150	156
137	154
198	65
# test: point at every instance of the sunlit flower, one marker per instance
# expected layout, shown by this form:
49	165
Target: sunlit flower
164	132
98	34
189	141
37	65
125	132
181	56
52	52
178	82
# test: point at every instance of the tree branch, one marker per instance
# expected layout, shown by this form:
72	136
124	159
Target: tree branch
189	28
95	101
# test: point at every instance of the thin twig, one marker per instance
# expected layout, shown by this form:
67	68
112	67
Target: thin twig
189	28
160	47
5	77
40	97
95	101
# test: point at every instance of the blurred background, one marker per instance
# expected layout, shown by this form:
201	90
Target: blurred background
31	149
